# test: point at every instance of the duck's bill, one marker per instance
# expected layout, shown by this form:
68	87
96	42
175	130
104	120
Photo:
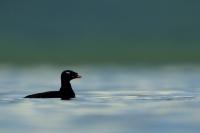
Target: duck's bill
78	76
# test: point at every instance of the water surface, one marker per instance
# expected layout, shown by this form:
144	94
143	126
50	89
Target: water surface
109	99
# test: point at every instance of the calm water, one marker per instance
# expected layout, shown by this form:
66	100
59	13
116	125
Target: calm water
109	100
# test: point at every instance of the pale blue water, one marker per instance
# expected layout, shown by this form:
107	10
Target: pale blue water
110	99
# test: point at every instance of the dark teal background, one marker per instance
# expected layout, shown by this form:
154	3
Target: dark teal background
99	31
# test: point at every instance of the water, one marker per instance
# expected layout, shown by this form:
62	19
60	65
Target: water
109	99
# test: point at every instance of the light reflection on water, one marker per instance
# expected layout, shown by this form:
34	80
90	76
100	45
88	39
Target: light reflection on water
109	100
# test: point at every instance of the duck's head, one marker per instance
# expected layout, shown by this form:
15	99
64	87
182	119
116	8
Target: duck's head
69	75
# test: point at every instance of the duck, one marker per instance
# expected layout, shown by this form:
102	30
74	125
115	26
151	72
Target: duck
65	93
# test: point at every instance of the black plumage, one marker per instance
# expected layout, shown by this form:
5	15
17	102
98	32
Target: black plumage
65	93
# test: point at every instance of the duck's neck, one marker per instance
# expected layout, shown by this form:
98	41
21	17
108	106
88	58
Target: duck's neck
65	84
66	91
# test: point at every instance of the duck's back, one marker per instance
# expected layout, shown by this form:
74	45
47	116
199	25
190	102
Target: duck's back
49	94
